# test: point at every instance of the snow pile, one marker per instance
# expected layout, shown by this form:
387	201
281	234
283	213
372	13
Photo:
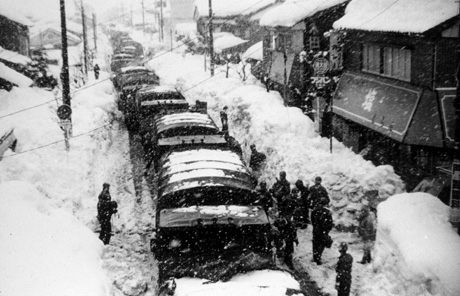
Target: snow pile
263	283
45	250
406	16
416	246
255	52
293	11
15	77
286	136
14	57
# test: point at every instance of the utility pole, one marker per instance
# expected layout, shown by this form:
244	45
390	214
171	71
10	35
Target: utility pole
211	41
95	32
65	111
85	40
143	17
65	59
161	20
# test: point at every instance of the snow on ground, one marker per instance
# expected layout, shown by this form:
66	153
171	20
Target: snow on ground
44	183
45	249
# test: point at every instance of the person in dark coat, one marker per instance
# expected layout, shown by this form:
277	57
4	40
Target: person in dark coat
343	270
264	197
287	205
288	233
281	188
96	70
317	191
224	119
321	220
257	158
302	205
105	209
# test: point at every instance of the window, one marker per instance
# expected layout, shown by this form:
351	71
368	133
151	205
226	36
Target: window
371	58
314	43
281	42
397	63
388	61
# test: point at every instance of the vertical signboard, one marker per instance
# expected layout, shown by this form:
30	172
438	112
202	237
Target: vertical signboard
455	194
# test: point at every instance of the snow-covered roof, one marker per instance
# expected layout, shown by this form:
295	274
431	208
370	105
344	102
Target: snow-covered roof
225	40
185	28
13	57
15	77
293	11
405	16
15	15
254	52
224	8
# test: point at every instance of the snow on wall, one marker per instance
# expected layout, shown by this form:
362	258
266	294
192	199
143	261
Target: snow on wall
293	11
406	16
416	246
14	57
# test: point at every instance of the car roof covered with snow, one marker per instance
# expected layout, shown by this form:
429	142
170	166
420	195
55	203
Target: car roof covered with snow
198	168
184	119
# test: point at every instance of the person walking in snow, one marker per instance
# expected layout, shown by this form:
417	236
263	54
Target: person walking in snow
105	209
264	197
287	205
302	211
317	191
257	159
343	270
367	232
281	188
288	234
96	70
224	119
321	220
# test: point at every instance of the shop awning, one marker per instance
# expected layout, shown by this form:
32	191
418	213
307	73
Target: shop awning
278	65
395	109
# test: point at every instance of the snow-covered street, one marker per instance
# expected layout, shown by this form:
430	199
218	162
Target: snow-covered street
49	241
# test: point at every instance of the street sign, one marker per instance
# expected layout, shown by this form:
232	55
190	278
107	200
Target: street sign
455	194
64	111
320	66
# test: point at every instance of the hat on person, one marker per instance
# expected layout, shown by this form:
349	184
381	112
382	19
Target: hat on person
343	247
299	183
323	201
105	185
318	179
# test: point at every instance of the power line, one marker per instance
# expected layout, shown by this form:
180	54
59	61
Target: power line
56	142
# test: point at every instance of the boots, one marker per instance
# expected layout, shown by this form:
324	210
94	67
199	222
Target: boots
367	258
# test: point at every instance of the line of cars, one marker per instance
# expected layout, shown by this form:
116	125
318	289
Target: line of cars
208	223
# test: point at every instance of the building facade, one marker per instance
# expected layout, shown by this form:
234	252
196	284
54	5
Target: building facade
394	100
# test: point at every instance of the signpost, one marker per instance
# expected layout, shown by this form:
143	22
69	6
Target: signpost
64	113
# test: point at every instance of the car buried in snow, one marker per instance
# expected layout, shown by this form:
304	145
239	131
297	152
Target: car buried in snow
207	222
180	130
129	84
157	99
121	60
